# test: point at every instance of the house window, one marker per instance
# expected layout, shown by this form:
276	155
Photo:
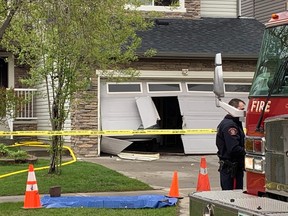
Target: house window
237	87
164	87
161	5
124	88
160	2
229	87
199	87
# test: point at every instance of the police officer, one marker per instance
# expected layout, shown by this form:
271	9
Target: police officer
230	143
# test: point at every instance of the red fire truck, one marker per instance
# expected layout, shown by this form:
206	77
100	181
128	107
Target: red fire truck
266	144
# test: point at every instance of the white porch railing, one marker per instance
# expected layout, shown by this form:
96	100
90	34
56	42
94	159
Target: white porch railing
26	109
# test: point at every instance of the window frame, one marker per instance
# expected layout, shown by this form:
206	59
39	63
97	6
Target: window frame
238	84
199	83
124	83
161	83
211	84
180	8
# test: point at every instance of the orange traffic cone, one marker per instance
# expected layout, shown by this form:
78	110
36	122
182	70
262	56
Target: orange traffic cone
203	179
32	198
174	188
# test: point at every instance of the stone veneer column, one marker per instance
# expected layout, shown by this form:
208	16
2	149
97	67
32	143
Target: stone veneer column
84	117
193	9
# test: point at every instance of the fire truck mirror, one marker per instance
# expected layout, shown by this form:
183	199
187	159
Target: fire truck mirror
218	84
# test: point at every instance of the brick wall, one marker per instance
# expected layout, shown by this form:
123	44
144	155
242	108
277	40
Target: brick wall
25	126
193	8
192	11
194	65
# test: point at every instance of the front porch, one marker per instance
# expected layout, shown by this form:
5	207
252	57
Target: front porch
24	116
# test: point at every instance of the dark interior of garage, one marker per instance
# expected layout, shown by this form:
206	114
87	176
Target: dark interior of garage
170	118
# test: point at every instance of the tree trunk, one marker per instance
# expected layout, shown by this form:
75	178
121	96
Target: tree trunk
57	141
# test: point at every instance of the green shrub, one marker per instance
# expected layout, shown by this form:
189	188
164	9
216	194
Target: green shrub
14	154
4	151
18	155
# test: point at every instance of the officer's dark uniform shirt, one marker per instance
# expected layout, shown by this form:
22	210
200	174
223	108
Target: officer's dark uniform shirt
230	140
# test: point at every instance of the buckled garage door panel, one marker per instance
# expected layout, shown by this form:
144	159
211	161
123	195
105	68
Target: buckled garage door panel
199	112
148	112
113	146
199	144
119	113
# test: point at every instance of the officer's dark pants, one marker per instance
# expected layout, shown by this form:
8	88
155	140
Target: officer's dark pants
227	182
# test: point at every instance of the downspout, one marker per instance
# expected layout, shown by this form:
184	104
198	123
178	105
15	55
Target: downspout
98	112
11	84
239	9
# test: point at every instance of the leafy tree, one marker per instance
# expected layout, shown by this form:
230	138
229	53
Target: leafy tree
8	9
65	41
11	104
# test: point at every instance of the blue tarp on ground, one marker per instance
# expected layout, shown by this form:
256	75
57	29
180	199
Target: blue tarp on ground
131	202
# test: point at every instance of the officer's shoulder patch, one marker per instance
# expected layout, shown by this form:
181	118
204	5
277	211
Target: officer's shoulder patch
232	131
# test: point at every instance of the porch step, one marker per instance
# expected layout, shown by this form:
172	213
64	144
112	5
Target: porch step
32	150
41	152
8	141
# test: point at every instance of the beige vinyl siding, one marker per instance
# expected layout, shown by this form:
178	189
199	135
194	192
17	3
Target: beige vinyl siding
262	9
219	8
42	113
247	8
43	122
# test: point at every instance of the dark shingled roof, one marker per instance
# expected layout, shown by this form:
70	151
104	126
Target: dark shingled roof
186	38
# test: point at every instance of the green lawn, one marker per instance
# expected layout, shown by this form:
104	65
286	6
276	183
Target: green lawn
78	177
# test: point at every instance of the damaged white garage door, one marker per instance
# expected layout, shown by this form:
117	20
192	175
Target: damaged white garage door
126	109
118	118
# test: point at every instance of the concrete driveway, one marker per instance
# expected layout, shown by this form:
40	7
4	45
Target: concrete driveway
159	173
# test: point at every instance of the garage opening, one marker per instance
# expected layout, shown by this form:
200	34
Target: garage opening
170	118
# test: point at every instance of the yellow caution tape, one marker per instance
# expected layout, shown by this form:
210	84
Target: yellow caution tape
107	132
